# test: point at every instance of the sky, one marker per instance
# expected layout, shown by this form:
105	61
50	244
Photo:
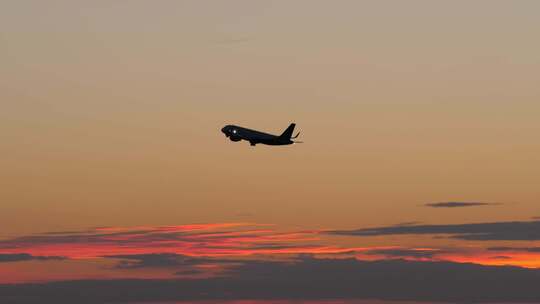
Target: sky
420	156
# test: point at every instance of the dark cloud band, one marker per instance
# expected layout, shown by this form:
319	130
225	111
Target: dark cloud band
511	231
22	257
308	278
459	204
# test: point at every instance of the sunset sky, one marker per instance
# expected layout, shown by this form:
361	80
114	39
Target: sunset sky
421	153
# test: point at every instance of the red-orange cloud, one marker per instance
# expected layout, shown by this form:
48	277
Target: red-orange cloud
221	241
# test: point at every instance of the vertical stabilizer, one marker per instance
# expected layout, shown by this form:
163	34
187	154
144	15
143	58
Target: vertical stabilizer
287	134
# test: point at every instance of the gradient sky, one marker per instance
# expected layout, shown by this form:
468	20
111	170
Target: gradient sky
111	110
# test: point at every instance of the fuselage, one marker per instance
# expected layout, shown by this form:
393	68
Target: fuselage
236	133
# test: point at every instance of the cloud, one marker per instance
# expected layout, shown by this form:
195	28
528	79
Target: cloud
518	249
405	253
235	40
459	204
21	257
209	240
154	260
501	257
307	278
409	223
211	250
179	264
511	231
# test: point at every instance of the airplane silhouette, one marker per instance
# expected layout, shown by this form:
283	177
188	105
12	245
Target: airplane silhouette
236	133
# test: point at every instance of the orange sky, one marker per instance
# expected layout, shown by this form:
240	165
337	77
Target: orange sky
111	112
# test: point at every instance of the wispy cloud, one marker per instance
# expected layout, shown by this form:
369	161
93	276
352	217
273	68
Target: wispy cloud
209	250
207	240
411	253
508	231
516	249
459	204
23	257
155	260
235	40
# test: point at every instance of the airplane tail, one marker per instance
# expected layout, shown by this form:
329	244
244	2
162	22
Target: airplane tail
287	134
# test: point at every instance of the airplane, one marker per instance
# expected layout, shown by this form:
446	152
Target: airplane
236	133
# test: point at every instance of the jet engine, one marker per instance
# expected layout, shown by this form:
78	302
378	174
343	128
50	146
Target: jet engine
234	138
